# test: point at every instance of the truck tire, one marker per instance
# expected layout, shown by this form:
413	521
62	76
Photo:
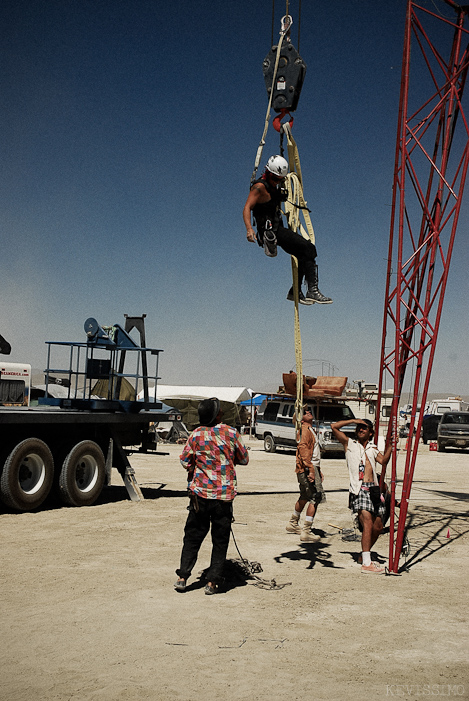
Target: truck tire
82	475
27	475
269	443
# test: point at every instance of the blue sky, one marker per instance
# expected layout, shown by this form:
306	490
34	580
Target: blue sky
129	133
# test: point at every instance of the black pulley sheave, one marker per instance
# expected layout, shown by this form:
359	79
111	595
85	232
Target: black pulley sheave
288	82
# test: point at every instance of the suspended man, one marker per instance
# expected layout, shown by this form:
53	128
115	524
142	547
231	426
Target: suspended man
264	200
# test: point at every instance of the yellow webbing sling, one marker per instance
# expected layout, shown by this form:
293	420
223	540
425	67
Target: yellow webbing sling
292	209
295	205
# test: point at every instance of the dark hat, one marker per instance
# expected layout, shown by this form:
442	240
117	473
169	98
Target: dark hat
369	424
208	411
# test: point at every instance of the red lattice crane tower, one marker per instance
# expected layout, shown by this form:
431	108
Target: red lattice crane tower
432	155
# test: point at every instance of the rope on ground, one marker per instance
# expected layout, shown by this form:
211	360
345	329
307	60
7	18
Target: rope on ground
244	569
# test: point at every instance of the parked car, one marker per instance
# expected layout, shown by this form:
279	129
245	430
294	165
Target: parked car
453	430
274	423
430	427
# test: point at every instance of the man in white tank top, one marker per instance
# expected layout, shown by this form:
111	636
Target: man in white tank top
365	500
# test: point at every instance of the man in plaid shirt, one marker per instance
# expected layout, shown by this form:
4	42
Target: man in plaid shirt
210	456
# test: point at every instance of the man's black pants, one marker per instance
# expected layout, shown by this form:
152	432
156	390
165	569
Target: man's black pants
219	515
295	244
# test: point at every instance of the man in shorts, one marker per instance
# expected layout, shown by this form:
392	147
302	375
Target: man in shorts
365	499
309	475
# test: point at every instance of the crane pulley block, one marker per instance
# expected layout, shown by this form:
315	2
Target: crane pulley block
288	81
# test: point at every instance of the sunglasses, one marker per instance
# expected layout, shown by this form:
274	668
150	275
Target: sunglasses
363	428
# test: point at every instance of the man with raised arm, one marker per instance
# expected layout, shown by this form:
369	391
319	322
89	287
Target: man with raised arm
365	498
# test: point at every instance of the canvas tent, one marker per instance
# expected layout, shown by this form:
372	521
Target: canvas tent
126	391
186	400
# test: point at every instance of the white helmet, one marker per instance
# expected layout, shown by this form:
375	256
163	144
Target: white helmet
278	166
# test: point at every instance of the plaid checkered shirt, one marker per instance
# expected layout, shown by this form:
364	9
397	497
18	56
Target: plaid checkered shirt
210	456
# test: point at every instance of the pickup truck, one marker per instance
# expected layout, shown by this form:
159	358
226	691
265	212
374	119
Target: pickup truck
274	423
453	430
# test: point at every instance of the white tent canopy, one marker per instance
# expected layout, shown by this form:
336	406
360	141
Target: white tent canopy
57	391
224	394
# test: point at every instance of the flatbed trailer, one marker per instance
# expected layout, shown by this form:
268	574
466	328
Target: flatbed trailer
71	450
71	444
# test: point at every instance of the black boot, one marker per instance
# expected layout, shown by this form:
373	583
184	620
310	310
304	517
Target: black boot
313	294
301	297
291	298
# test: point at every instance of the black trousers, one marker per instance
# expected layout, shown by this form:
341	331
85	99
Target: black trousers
295	244
211	512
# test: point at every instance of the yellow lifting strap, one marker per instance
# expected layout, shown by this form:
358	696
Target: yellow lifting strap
293	207
296	203
298	350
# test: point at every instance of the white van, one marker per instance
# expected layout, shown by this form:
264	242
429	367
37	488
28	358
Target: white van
15	384
274	423
442	406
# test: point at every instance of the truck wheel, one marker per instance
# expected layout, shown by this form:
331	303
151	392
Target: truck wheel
82	475
27	475
269	444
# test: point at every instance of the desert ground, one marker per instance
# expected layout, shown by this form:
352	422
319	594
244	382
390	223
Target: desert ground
89	610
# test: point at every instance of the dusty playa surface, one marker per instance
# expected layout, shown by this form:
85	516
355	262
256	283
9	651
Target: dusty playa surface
89	610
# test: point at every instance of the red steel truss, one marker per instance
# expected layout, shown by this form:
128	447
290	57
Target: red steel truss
432	155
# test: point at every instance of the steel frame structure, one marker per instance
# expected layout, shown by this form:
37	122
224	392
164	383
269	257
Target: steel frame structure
431	162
